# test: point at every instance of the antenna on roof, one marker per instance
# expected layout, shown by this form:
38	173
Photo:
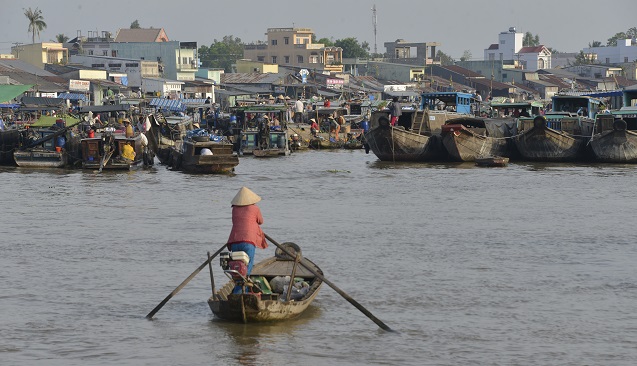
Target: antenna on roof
374	23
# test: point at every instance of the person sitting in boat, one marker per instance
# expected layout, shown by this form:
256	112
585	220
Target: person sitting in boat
314	128
246	234
128	152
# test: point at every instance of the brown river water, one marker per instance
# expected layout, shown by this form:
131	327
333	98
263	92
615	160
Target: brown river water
532	264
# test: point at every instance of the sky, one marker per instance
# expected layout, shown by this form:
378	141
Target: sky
458	25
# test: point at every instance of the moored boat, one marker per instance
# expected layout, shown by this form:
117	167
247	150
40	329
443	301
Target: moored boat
273	296
204	154
615	138
105	150
468	138
560	135
492	161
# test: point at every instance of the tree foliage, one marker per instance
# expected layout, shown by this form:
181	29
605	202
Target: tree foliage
221	54
352	48
595	44
61	38
36	22
530	40
326	41
582	59
630	33
445	59
135	25
466	56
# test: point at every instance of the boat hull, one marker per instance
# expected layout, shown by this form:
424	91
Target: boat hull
463	144
541	143
251	308
391	143
615	146
9	141
38	158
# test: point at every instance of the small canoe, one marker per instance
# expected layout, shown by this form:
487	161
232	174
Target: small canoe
492	161
267	302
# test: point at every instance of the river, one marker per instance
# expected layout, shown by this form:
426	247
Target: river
531	264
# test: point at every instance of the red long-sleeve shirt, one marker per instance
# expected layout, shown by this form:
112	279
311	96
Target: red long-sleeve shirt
246	221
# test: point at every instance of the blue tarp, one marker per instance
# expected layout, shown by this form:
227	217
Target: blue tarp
10	105
72	96
170	104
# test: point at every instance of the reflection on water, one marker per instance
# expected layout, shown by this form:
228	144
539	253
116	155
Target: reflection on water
528	264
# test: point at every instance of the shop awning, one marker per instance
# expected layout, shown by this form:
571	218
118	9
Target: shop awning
170	104
8	92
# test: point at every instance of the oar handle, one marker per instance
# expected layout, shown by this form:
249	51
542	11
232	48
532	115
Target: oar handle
333	286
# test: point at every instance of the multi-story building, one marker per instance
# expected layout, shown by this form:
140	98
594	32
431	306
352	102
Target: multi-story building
294	47
510	47
418	53
40	54
624	52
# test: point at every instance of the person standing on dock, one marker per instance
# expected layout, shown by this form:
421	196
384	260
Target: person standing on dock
298	111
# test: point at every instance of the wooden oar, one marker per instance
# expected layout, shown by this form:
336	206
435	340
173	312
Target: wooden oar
183	284
333	286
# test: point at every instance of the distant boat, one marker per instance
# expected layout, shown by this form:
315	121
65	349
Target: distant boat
204	154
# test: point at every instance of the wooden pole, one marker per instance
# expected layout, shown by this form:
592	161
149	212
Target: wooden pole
335	288
212	278
297	259
184	283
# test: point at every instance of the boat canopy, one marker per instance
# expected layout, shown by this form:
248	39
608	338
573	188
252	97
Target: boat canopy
73	96
462	101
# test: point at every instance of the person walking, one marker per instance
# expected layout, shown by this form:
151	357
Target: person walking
298	111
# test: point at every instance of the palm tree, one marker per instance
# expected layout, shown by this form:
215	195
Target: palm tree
36	22
61	38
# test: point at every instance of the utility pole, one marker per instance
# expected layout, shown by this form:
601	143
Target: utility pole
374	23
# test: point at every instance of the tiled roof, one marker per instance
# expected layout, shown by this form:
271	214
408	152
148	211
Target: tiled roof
138	35
535	49
494	46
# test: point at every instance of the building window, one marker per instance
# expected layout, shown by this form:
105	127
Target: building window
625	59
492	57
115	65
90	52
287	59
274	59
104	52
132	65
286	40
299	59
501	56
540	64
113	53
261	58
274	42
504	76
184	60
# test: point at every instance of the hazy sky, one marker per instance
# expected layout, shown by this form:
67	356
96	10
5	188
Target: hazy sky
458	25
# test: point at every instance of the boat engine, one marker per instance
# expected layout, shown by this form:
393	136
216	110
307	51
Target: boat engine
235	264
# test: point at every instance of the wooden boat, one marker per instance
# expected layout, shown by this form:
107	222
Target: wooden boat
164	134
9	141
468	138
247	132
264	304
204	154
53	147
322	143
559	135
104	150
492	161
417	134
615	138
251	143
396	143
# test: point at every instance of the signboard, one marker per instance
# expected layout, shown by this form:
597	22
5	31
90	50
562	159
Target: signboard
304	73
79	85
335	82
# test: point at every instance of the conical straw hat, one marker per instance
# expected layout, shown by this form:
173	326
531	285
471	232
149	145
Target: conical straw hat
245	197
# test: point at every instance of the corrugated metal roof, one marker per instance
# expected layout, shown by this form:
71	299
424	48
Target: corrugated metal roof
170	104
72	96
138	35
